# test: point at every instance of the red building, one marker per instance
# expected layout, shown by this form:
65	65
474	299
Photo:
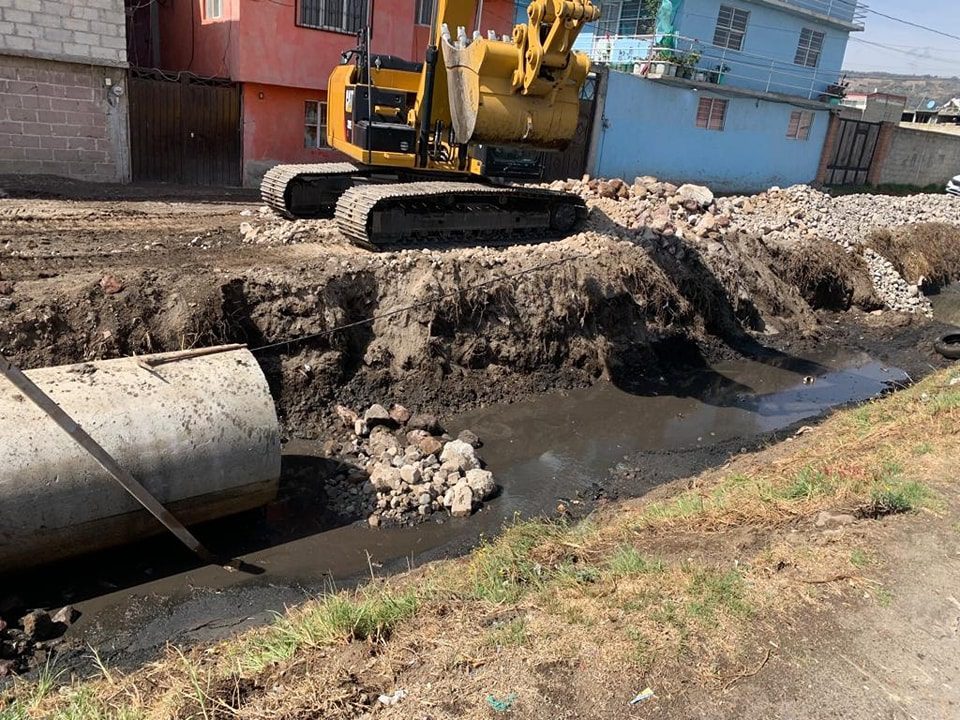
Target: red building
254	68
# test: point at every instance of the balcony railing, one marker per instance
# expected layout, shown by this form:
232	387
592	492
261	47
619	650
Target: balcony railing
687	58
851	11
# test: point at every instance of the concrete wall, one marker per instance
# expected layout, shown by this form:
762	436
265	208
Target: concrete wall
62	119
273	129
651	130
769	47
919	157
74	30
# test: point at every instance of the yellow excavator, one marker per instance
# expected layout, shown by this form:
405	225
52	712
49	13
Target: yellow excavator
431	143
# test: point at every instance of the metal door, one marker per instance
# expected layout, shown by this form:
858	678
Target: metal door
572	162
184	130
852	153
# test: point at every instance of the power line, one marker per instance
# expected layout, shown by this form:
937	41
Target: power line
913	24
891	48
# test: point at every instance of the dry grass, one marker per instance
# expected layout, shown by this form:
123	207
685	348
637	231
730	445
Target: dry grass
930	250
553	617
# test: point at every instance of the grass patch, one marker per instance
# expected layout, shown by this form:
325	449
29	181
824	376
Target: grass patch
714	592
627	560
901	498
808	483
369	615
924	448
509	634
859	558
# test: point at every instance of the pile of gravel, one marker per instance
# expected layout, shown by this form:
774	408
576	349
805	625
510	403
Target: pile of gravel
405	468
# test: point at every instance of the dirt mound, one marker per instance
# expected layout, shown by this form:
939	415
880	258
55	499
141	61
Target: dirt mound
927	254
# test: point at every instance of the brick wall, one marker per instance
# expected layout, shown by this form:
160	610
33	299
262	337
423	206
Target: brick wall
920	157
74	30
63	119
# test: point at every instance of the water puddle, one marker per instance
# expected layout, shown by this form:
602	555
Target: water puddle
946	305
541	450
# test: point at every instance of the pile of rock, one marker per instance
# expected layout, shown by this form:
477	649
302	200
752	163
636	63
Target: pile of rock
405	468
29	642
661	212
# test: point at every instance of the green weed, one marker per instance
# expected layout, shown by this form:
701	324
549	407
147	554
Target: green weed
627	560
713	592
897	498
808	483
509	634
859	558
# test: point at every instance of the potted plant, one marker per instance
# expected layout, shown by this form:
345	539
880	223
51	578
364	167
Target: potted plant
663	63
687	65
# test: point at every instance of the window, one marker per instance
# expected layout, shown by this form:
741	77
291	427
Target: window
348	16
731	27
423	10
711	113
627	17
213	9
315	124
809	47
799	127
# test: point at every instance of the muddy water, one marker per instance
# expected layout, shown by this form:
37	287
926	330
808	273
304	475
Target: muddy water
542	451
946	305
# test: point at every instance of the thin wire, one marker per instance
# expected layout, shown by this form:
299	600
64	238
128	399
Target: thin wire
913	24
414	306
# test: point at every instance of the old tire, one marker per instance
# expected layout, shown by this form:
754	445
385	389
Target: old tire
948	345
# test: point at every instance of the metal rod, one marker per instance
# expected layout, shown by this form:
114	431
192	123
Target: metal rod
188	354
429	78
43	401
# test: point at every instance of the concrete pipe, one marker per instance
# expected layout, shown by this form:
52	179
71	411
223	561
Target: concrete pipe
199	432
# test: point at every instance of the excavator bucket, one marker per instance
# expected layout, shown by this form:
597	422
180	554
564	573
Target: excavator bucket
525	92
486	107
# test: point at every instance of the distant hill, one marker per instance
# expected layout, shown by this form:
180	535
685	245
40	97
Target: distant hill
915	87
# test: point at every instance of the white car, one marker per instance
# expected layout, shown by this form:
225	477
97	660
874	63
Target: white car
953	187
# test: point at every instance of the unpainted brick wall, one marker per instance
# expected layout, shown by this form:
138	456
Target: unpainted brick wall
63	119
920	157
75	30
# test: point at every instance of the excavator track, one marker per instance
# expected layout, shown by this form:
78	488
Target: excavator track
429	212
307	191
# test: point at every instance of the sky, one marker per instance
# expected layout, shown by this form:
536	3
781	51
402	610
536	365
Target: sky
909	50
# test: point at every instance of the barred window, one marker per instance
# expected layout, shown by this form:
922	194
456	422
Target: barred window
213	9
731	28
348	16
809	47
711	113
315	124
423	10
799	126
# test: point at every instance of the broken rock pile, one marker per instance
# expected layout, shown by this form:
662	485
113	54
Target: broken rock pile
30	642
404	468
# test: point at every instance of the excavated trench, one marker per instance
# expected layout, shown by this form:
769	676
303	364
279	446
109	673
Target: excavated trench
592	367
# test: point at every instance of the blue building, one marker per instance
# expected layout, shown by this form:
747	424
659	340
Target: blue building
736	94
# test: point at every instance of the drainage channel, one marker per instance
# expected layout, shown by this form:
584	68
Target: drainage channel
546	450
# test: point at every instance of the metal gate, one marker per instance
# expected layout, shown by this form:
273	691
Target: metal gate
572	162
185	130
852	152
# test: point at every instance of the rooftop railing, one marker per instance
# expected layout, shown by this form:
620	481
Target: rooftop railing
851	11
690	59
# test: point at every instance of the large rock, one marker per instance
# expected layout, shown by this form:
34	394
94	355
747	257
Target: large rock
470	437
698	195
37	626
385	477
482	484
377	415
399	414
381	440
461	454
410	474
425	421
430	446
346	415
461	501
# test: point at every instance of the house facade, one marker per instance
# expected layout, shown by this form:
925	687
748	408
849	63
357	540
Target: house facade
63	100
737	94
275	56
